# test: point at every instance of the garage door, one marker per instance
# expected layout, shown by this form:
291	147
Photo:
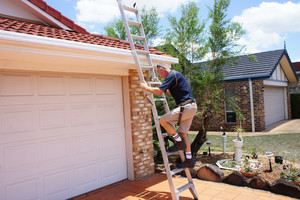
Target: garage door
274	104
61	135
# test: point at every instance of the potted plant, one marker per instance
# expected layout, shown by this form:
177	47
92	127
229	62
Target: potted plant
290	173
238	143
250	168
254	152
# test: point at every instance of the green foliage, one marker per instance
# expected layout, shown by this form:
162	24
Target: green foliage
150	21
186	34
295	104
223	50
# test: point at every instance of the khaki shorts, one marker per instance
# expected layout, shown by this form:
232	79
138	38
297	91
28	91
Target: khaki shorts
187	117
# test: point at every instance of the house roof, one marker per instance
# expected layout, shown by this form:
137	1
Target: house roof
296	66
24	27
266	63
57	15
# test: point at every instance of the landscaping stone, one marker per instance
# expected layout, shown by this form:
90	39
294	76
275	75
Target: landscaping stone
259	183
281	186
236	178
210	172
193	173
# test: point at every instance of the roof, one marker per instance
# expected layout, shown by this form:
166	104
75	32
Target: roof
266	63
14	25
57	15
296	66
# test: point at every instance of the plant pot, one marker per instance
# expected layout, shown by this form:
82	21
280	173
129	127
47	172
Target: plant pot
255	156
248	174
238	150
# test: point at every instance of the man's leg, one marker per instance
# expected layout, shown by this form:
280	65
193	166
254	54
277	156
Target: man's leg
166	122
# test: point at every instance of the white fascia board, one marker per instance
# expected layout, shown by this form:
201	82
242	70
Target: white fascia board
275	83
52	42
45	15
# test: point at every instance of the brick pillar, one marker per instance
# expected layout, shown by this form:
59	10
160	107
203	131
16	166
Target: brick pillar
141	124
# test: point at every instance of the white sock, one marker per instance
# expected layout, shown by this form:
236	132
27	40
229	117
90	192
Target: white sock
177	137
188	155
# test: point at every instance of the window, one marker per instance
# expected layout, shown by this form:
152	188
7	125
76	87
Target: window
230	116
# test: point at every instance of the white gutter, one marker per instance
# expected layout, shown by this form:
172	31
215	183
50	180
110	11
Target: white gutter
251	104
40	40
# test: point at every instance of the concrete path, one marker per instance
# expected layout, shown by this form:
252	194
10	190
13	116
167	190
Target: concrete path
283	127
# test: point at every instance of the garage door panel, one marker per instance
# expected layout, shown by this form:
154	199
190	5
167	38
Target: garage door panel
27	189
16	84
26	117
52	117
49	85
274	104
58	185
110	170
56	130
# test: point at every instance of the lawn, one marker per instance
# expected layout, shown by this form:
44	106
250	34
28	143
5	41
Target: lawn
286	145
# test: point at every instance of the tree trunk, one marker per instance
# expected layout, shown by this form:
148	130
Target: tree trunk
201	136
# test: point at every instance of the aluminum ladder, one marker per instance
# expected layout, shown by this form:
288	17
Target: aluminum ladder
137	54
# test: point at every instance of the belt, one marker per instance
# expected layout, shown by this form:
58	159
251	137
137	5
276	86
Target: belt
186	102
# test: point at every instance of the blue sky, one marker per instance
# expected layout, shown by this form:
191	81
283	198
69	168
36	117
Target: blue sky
268	23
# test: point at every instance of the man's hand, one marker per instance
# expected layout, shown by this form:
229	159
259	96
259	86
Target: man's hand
144	85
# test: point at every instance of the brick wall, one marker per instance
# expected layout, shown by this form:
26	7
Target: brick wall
141	124
241	90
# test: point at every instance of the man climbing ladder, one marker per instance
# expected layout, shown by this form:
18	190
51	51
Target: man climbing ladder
177	86
186	108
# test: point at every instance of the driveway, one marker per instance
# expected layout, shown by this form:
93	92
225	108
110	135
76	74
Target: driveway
286	126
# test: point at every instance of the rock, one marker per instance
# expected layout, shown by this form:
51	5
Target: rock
193	173
210	172
259	183
236	178
281	186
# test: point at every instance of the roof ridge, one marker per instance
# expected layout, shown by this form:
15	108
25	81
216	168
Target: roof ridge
58	16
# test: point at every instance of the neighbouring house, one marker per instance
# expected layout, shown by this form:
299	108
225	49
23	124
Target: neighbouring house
295	87
262	89
72	117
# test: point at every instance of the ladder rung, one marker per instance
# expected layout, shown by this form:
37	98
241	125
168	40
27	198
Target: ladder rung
173	153
138	37
146	67
134	22
176	171
160	99
154	83
165	134
130	9
142	52
184	187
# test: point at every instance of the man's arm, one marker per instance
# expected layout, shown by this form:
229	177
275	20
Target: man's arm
154	90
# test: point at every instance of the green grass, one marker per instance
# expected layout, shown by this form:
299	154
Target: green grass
286	145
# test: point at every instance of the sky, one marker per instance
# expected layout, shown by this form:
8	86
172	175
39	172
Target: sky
268	23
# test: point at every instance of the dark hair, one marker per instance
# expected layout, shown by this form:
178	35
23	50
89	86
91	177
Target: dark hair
160	66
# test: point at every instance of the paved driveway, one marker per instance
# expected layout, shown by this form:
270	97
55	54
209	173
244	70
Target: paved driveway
286	126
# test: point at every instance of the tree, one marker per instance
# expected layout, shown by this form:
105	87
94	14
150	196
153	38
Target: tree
186	34
150	21
207	79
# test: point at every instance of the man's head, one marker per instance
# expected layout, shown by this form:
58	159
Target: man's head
163	70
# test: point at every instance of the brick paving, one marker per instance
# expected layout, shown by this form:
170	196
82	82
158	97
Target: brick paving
156	187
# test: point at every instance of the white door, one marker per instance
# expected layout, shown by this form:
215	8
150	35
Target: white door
274	104
61	135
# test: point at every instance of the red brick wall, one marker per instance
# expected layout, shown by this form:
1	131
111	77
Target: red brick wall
141	124
241	90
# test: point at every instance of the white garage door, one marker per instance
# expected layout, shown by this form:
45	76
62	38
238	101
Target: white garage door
60	135
274	104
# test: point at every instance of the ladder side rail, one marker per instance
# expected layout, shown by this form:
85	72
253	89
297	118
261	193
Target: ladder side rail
133	51
163	151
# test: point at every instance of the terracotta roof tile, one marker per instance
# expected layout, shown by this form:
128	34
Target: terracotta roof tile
296	66
51	32
57	15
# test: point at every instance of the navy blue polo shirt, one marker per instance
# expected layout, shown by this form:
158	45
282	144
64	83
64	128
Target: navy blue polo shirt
178	86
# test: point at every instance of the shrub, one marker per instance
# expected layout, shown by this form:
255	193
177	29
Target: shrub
295	104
